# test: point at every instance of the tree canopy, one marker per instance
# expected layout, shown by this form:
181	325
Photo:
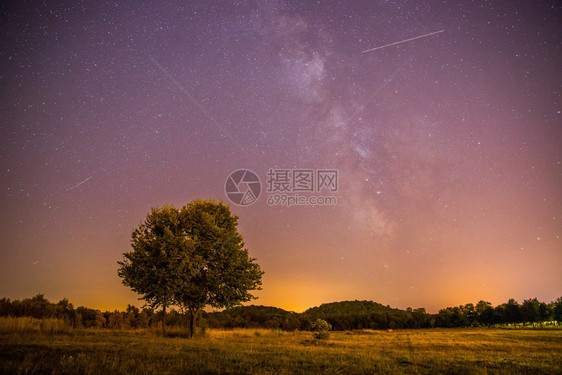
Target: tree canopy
191	257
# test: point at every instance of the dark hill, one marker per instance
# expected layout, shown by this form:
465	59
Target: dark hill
258	310
253	317
345	315
349	315
356	308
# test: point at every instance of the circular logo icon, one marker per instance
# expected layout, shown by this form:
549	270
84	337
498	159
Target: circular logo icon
243	187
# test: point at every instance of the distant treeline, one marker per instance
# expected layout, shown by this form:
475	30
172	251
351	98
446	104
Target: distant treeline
347	315
84	317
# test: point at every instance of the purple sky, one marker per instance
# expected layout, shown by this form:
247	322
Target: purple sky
448	147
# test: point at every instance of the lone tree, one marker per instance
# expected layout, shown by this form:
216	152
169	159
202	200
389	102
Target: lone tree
192	257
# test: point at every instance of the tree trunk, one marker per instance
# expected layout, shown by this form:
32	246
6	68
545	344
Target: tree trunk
163	320
192	321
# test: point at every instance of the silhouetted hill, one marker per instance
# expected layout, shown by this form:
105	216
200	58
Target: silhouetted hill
356	308
345	315
258	310
253	316
348	315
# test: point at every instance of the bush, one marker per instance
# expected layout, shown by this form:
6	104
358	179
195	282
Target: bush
321	327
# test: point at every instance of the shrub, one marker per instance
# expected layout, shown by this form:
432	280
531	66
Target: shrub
321	327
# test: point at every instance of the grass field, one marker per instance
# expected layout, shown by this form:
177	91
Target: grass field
251	351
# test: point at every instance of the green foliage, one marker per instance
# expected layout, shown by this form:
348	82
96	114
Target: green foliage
530	310
484	313
155	265
221	274
557	309
321	327
347	315
254	317
346	308
192	258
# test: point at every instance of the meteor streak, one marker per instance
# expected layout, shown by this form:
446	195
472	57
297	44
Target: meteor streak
402	41
75	186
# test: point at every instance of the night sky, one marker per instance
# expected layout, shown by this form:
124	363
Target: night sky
448	147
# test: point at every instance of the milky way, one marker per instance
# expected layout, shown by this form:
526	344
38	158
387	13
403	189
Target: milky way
447	143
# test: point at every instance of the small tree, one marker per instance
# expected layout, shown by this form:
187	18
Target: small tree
530	310
321	327
557	308
485	312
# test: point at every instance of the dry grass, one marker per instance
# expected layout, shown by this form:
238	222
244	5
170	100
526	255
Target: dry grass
32	325
260	351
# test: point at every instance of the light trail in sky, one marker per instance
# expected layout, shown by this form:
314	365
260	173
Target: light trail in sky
403	41
80	183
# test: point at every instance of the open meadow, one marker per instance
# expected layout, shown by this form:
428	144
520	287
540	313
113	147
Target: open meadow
259	351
